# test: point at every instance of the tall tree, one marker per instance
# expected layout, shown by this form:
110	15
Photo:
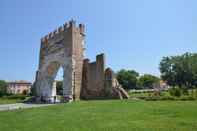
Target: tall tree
59	87
3	88
128	78
180	70
147	81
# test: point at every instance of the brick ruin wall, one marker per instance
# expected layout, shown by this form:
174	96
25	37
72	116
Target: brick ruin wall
100	83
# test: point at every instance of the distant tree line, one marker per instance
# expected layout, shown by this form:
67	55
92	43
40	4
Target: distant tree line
178	71
130	79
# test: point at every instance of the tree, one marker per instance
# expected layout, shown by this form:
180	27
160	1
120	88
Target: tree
128	78
59	87
25	92
180	70
3	88
147	81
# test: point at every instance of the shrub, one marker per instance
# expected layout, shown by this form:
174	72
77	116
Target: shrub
175	92
196	93
163	98
193	93
1	94
168	98
156	93
21	97
153	98
25	92
3	88
186	98
185	91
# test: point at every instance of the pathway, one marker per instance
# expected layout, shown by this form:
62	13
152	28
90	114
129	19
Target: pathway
21	106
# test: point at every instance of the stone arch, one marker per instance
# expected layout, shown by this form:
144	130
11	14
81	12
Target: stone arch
47	74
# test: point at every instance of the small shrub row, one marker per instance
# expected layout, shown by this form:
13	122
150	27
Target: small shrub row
160	98
18	96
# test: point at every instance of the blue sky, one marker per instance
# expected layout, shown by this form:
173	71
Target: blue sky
134	34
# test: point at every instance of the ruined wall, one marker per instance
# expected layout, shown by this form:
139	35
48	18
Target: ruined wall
100	83
93	78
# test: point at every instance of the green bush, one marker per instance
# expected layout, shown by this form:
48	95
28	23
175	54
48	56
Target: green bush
175	92
196	93
1	94
25	92
21	97
160	98
3	88
153	98
192	93
163	98
156	93
184	91
167	98
186	98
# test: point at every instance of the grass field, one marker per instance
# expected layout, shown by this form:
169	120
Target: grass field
112	115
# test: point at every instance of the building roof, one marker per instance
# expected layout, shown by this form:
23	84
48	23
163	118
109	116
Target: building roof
19	82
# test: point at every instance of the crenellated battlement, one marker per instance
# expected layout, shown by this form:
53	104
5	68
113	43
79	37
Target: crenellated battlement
64	28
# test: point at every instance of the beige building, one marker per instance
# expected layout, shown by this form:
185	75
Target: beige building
19	87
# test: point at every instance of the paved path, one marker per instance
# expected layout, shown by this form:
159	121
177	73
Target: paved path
21	106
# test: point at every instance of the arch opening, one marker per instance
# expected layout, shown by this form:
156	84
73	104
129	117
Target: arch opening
54	84
58	83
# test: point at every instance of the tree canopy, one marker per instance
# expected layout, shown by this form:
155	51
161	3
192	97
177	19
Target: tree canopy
180	70
128	78
3	87
147	81
59	87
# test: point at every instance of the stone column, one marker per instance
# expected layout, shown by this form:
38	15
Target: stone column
67	83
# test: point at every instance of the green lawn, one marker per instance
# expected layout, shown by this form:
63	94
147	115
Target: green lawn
112	115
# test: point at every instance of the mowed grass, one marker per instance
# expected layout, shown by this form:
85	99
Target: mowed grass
109	115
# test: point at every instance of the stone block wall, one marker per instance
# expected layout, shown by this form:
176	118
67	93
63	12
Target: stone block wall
93	78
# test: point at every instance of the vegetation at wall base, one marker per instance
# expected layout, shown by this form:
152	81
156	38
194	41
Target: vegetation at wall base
10	99
177	94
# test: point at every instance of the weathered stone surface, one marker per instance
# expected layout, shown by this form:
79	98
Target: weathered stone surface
100	83
62	48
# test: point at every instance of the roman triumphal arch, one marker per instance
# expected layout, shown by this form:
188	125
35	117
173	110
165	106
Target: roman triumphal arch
62	48
83	79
